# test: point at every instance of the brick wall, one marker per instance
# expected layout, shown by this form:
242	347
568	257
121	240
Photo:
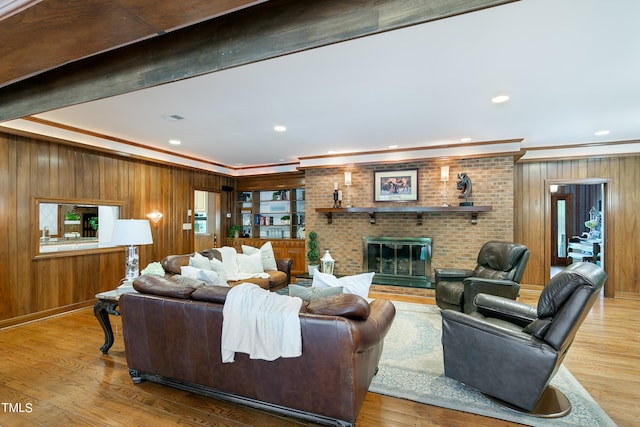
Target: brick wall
456	241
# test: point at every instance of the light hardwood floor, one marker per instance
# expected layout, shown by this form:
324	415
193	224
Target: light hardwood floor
54	370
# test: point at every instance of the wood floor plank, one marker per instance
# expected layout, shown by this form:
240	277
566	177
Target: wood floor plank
56	365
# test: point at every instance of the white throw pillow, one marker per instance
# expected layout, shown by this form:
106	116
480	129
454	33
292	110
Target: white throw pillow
218	267
268	258
200	261
358	284
250	264
210	277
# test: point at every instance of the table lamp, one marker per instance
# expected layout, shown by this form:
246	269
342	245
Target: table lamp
130	233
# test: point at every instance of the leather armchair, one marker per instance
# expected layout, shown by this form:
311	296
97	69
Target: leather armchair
499	269
511	351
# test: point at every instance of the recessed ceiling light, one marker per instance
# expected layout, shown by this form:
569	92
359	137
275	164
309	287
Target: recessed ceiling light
500	99
393	146
465	140
602	132
279	128
175	142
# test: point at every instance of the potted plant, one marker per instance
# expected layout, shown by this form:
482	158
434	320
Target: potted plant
313	256
93	223
235	231
71	216
285	219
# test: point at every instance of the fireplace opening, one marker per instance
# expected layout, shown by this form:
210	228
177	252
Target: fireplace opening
399	261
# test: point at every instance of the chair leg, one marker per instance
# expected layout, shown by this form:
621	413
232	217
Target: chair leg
552	404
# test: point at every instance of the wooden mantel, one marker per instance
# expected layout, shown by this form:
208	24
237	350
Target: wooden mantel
418	210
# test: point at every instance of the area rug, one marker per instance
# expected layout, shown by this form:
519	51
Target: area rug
411	367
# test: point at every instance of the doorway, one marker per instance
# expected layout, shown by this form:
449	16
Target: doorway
561	224
206	223
577	223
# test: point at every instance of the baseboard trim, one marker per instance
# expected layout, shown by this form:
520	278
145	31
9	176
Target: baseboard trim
41	315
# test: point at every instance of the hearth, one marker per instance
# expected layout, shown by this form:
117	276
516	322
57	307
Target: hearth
398	261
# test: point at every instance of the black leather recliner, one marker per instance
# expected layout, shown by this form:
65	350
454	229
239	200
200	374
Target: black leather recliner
511	351
498	271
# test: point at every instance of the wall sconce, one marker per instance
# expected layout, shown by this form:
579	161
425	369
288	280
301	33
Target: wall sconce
155	216
553	188
347	183
444	177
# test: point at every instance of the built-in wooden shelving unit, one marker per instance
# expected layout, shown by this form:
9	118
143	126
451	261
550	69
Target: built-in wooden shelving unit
418	210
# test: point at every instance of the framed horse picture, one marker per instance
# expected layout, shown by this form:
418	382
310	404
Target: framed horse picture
395	185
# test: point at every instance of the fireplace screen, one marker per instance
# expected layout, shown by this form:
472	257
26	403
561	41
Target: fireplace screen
400	261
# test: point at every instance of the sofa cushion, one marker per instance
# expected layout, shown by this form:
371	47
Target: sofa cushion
209	277
163	286
266	252
350	306
173	263
250	264
307	293
153	268
200	261
216	265
358	284
276	277
263	283
215	294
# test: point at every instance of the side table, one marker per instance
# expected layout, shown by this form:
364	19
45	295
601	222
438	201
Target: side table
107	304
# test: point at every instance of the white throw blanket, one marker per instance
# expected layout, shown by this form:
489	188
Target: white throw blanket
230	265
262	324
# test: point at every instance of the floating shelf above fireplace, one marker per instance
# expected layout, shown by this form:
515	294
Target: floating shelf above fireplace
419	211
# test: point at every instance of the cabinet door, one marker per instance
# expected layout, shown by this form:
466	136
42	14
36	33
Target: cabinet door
297	254
200	201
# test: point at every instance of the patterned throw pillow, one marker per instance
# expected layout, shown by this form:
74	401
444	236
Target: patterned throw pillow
308	293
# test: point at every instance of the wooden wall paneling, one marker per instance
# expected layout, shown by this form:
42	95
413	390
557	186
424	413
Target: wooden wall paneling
31	168
629	228
621	198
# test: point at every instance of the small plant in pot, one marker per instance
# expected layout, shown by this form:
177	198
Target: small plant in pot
313	256
235	231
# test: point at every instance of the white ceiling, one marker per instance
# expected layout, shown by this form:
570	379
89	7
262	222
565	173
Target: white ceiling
571	68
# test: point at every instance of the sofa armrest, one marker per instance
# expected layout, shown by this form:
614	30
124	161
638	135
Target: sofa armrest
377	325
476	285
284	265
451	274
505	309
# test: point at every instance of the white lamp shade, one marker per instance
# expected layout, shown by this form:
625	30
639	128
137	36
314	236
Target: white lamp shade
347	178
128	232
444	173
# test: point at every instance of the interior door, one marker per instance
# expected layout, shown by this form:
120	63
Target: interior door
561	226
207	235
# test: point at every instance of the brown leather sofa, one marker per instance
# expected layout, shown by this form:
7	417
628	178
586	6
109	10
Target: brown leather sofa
172	335
278	279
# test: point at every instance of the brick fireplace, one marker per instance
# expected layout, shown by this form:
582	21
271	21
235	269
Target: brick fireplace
399	261
455	240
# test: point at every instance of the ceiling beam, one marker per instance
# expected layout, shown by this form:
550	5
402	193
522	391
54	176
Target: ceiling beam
268	30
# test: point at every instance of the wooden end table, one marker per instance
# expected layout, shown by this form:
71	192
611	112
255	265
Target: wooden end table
107	304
